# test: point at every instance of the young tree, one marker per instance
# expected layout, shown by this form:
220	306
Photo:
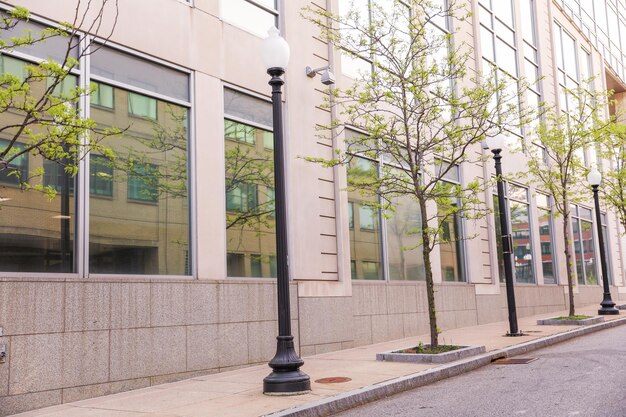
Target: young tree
613	186
39	102
559	167
421	110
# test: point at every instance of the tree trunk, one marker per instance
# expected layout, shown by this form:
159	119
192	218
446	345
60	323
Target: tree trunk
430	287
569	261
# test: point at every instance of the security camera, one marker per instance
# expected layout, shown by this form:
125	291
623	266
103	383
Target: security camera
328	78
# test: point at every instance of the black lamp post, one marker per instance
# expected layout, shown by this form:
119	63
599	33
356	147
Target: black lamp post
608	306
495	144
286	377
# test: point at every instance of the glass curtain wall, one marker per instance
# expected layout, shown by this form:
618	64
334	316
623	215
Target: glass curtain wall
249	176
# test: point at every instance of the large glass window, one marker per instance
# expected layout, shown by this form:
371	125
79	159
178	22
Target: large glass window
519	224
546	239
584	249
498	42
404	249
451	238
365	235
138	210
607	246
143	227
255	16
250	225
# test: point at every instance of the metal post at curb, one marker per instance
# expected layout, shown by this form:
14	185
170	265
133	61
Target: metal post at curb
286	377
608	306
507	247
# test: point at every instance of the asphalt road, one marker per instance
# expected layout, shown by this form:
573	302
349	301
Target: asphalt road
584	377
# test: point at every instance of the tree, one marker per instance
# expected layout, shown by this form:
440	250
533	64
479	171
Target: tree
613	186
38	102
559	167
421	110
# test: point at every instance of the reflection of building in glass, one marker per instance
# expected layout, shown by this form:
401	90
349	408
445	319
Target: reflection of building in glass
138	200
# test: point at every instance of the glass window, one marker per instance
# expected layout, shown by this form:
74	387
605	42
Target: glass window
546	240
249	183
527	7
144	227
14	67
64	88
100	176
54	176
242	198
365	240
142	106
111	64
17	170
605	235
36	230
584	249
143	182
149	165
451	236
249	16
404	250
516	200
102	95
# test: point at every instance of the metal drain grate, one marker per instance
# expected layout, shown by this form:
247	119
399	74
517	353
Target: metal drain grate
333	380
514	361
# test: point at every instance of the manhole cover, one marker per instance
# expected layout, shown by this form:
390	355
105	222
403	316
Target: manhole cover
333	380
514	361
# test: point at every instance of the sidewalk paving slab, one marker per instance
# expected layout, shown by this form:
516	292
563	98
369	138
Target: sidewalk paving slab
239	392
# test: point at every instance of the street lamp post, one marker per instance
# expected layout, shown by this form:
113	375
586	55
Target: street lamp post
495	144
608	306
286	377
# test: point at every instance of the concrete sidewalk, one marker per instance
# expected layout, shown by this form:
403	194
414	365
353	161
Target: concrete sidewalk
239	392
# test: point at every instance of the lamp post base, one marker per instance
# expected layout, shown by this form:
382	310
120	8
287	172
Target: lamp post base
608	310
518	334
286	377
608	306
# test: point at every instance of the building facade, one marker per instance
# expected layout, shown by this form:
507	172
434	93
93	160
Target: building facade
157	265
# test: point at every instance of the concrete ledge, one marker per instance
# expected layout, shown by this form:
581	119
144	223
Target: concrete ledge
454	355
583	322
621	307
347	400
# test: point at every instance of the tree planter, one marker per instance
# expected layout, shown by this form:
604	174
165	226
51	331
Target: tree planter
453	355
570	322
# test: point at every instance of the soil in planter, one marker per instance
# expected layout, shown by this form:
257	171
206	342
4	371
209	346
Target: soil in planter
426	349
577	317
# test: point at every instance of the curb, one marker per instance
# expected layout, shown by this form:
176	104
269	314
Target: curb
350	399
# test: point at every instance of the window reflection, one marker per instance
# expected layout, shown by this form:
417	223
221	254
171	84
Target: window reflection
36	231
519	224
142	227
584	249
546	240
365	240
250	227
404	227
